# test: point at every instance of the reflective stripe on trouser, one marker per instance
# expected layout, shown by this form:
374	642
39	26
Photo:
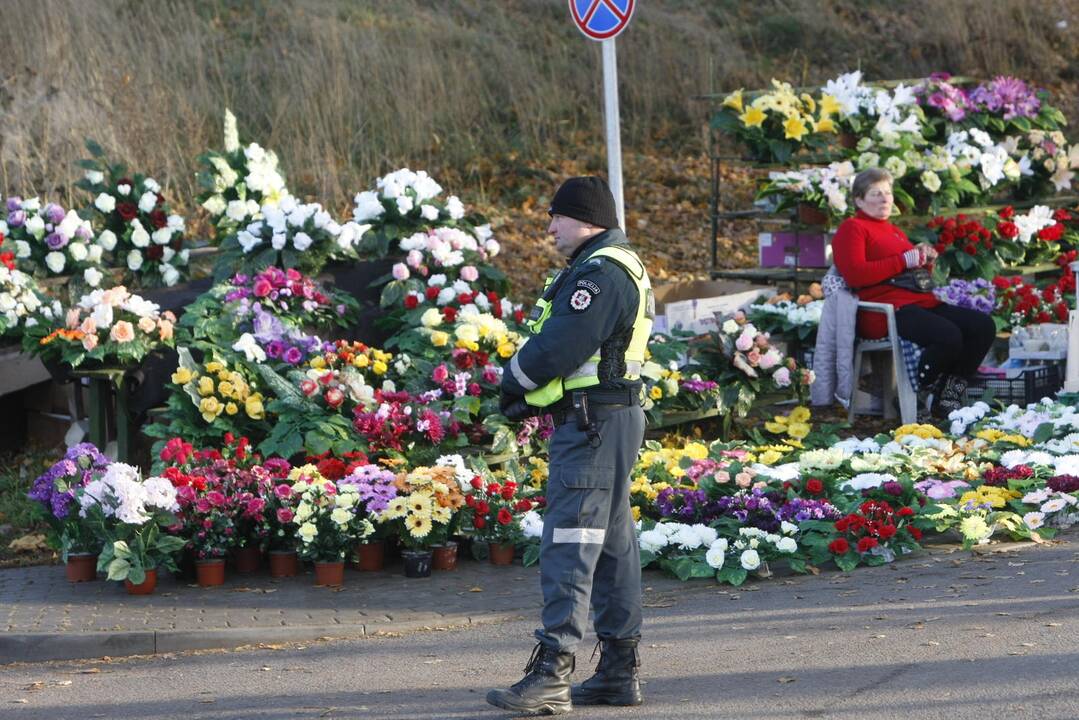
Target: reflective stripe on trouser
589	550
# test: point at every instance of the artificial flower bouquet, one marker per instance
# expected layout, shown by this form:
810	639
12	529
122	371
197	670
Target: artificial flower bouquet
215	397
745	363
56	491
327	523
404	203
47	241
138	231
427	507
287	235
824	188
966	248
22	304
778	123
795	319
131	517
1001	105
345	376
238	180
111	327
273	316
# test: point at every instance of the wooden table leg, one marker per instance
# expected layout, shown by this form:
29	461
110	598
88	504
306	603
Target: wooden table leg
99	412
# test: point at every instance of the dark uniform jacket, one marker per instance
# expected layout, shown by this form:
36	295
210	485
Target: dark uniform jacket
594	303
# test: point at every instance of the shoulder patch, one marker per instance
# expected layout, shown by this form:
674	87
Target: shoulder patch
588	285
580	300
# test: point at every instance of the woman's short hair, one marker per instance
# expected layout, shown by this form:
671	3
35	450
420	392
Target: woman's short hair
867	179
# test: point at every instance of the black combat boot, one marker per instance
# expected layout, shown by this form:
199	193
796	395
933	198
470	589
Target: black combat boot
616	681
544	690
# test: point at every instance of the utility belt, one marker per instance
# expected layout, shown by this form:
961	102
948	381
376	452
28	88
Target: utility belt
586	408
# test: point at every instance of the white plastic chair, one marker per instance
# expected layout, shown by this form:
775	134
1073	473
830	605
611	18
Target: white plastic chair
898	380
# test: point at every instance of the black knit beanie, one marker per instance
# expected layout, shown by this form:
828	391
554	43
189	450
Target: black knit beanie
587	199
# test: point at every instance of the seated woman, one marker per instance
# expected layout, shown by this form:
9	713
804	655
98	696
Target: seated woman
870	253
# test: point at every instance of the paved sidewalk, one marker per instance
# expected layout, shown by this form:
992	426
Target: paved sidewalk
44	617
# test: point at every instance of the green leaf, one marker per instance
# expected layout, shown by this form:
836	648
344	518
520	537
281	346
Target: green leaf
847	561
137	574
732	575
1043	432
118	569
647	558
94	148
531	555
797	565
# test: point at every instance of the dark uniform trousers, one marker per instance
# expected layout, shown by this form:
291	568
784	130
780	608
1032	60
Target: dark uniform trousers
589	549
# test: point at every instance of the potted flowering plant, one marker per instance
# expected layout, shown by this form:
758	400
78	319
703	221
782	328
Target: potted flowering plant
238	180
139	232
427	497
965	248
131	516
497	509
328	525
375	487
47	241
207	524
55	492
777	123
111	327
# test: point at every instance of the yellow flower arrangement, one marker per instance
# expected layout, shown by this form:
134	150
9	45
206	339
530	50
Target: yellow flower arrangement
924	431
995	497
796	424
215	389
994	435
538	472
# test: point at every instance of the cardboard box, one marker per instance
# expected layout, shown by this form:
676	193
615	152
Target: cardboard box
694	305
778	249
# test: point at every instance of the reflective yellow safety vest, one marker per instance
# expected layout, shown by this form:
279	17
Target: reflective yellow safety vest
587	375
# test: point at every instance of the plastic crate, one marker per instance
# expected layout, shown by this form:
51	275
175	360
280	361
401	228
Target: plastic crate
1031	386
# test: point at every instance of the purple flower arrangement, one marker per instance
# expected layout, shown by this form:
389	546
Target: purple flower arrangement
55	488
699	386
760	508
976	294
375	486
1008	97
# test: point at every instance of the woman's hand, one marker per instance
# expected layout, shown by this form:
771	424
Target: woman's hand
929	252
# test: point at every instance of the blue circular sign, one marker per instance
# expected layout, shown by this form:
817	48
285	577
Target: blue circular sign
601	19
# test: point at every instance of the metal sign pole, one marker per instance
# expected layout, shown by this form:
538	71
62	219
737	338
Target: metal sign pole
614	137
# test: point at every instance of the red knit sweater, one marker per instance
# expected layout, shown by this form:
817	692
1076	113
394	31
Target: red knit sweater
868	251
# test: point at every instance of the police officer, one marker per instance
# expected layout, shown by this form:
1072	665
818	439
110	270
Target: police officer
582	365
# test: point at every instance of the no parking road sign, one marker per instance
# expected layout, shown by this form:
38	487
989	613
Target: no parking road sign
601	19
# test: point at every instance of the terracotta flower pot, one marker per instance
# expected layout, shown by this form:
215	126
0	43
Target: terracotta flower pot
444	557
81	567
848	140
145	587
283	563
501	553
247	559
329	574
371	555
811	215
210	572
417	563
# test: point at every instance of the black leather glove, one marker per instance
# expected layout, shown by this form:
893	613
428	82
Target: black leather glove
514	407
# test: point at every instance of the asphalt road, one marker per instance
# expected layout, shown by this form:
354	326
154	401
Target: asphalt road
946	635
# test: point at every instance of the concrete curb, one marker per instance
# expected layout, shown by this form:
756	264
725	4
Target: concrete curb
39	647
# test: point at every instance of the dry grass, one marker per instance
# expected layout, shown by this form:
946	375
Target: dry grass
480	92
